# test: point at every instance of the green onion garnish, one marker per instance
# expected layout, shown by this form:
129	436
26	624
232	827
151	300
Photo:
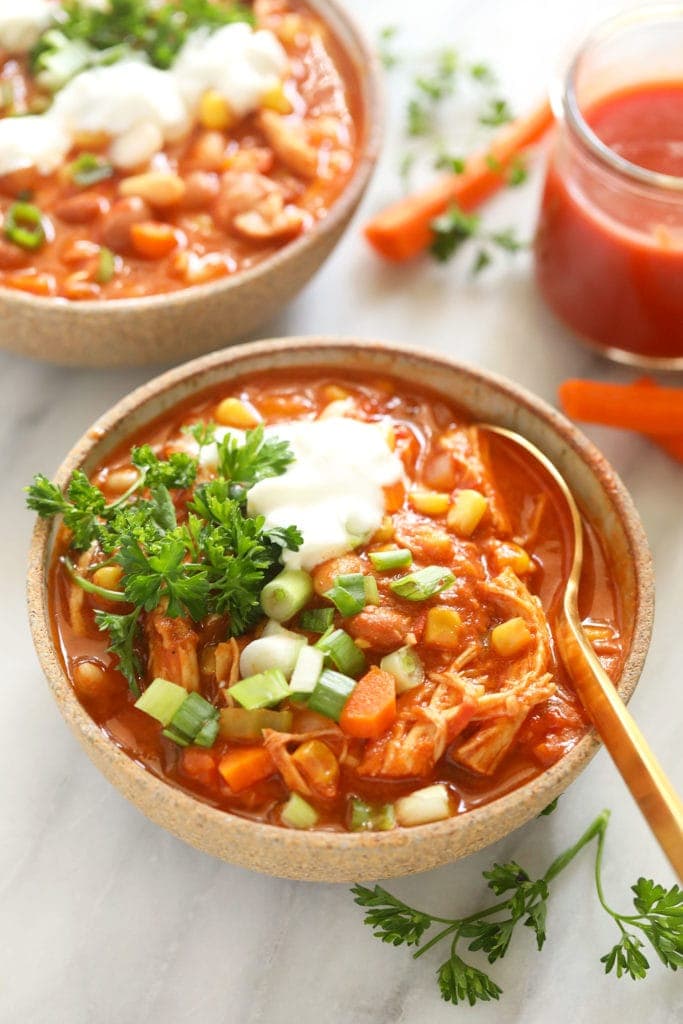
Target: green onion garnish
423	584
195	721
24	226
348	594
342	652
287	594
88	168
317	620
262	690
161	700
331	694
106	266
371	590
368	818
206	737
399	558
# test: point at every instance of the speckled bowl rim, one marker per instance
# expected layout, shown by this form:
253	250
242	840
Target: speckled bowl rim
516	807
365	63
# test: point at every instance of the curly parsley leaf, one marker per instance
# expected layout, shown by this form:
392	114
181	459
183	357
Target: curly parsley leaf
122	632
391	919
177	472
254	459
460	982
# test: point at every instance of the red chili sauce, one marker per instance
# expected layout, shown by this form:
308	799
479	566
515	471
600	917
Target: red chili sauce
609	257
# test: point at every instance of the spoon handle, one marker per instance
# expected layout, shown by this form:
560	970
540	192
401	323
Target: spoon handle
628	748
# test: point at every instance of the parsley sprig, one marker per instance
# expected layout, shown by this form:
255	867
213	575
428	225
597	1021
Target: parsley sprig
211	559
658	919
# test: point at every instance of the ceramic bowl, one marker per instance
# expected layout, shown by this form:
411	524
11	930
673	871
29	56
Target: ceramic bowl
331	856
175	326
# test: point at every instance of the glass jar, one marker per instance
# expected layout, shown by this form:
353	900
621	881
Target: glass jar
609	246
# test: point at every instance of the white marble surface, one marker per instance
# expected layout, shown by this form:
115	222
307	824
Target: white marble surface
105	918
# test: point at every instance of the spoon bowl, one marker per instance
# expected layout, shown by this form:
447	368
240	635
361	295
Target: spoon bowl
628	748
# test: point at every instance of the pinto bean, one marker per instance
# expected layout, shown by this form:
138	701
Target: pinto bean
82	208
383	628
240	192
120	219
201	188
325	574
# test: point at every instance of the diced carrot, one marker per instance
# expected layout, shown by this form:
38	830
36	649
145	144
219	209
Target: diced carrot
393	496
199	765
242	768
403	230
32	282
153	239
371	708
622	405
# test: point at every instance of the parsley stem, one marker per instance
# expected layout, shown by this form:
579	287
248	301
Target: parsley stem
438	937
596	828
92	588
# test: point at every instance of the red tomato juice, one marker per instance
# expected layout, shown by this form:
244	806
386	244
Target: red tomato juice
609	251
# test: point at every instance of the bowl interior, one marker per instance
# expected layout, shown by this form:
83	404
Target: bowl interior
340	856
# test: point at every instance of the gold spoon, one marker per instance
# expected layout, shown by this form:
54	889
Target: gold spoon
624	741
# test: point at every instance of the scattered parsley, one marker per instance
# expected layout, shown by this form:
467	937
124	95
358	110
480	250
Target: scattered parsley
455	227
658	917
385	49
483	74
496	113
215	561
518	173
447	162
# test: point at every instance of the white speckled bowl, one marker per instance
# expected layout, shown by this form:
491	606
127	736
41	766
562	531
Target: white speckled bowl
166	328
331	856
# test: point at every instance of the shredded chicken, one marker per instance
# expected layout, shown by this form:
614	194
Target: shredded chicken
470	450
278	743
172	649
77	598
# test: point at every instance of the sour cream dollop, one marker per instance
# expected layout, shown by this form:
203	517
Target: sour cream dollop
21	23
333	489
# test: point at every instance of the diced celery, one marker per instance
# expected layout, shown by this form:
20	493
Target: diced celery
368	818
241	724
405	666
297	813
161	700
307	670
331	694
260	691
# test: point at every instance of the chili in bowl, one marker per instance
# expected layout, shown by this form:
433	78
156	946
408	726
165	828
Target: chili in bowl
300	610
171	174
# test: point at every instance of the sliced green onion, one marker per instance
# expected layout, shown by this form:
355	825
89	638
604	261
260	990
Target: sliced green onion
24	226
297	813
88	168
190	720
106	266
342	652
307	670
162	699
241	724
60	59
371	590
178	737
368	818
260	691
398	558
206	737
423	584
317	620
405	665
92	588
274	651
331	694
287	594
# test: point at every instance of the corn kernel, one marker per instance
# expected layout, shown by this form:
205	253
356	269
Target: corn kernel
385	531
231	412
290	26
109	577
276	99
214	111
466	512
431	503
512	556
442	628
91	140
333	393
511	637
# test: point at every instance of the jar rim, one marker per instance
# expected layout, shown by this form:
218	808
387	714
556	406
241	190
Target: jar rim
566	105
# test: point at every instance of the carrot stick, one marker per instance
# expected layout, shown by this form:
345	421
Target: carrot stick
672	444
622	405
242	768
371	708
403	230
